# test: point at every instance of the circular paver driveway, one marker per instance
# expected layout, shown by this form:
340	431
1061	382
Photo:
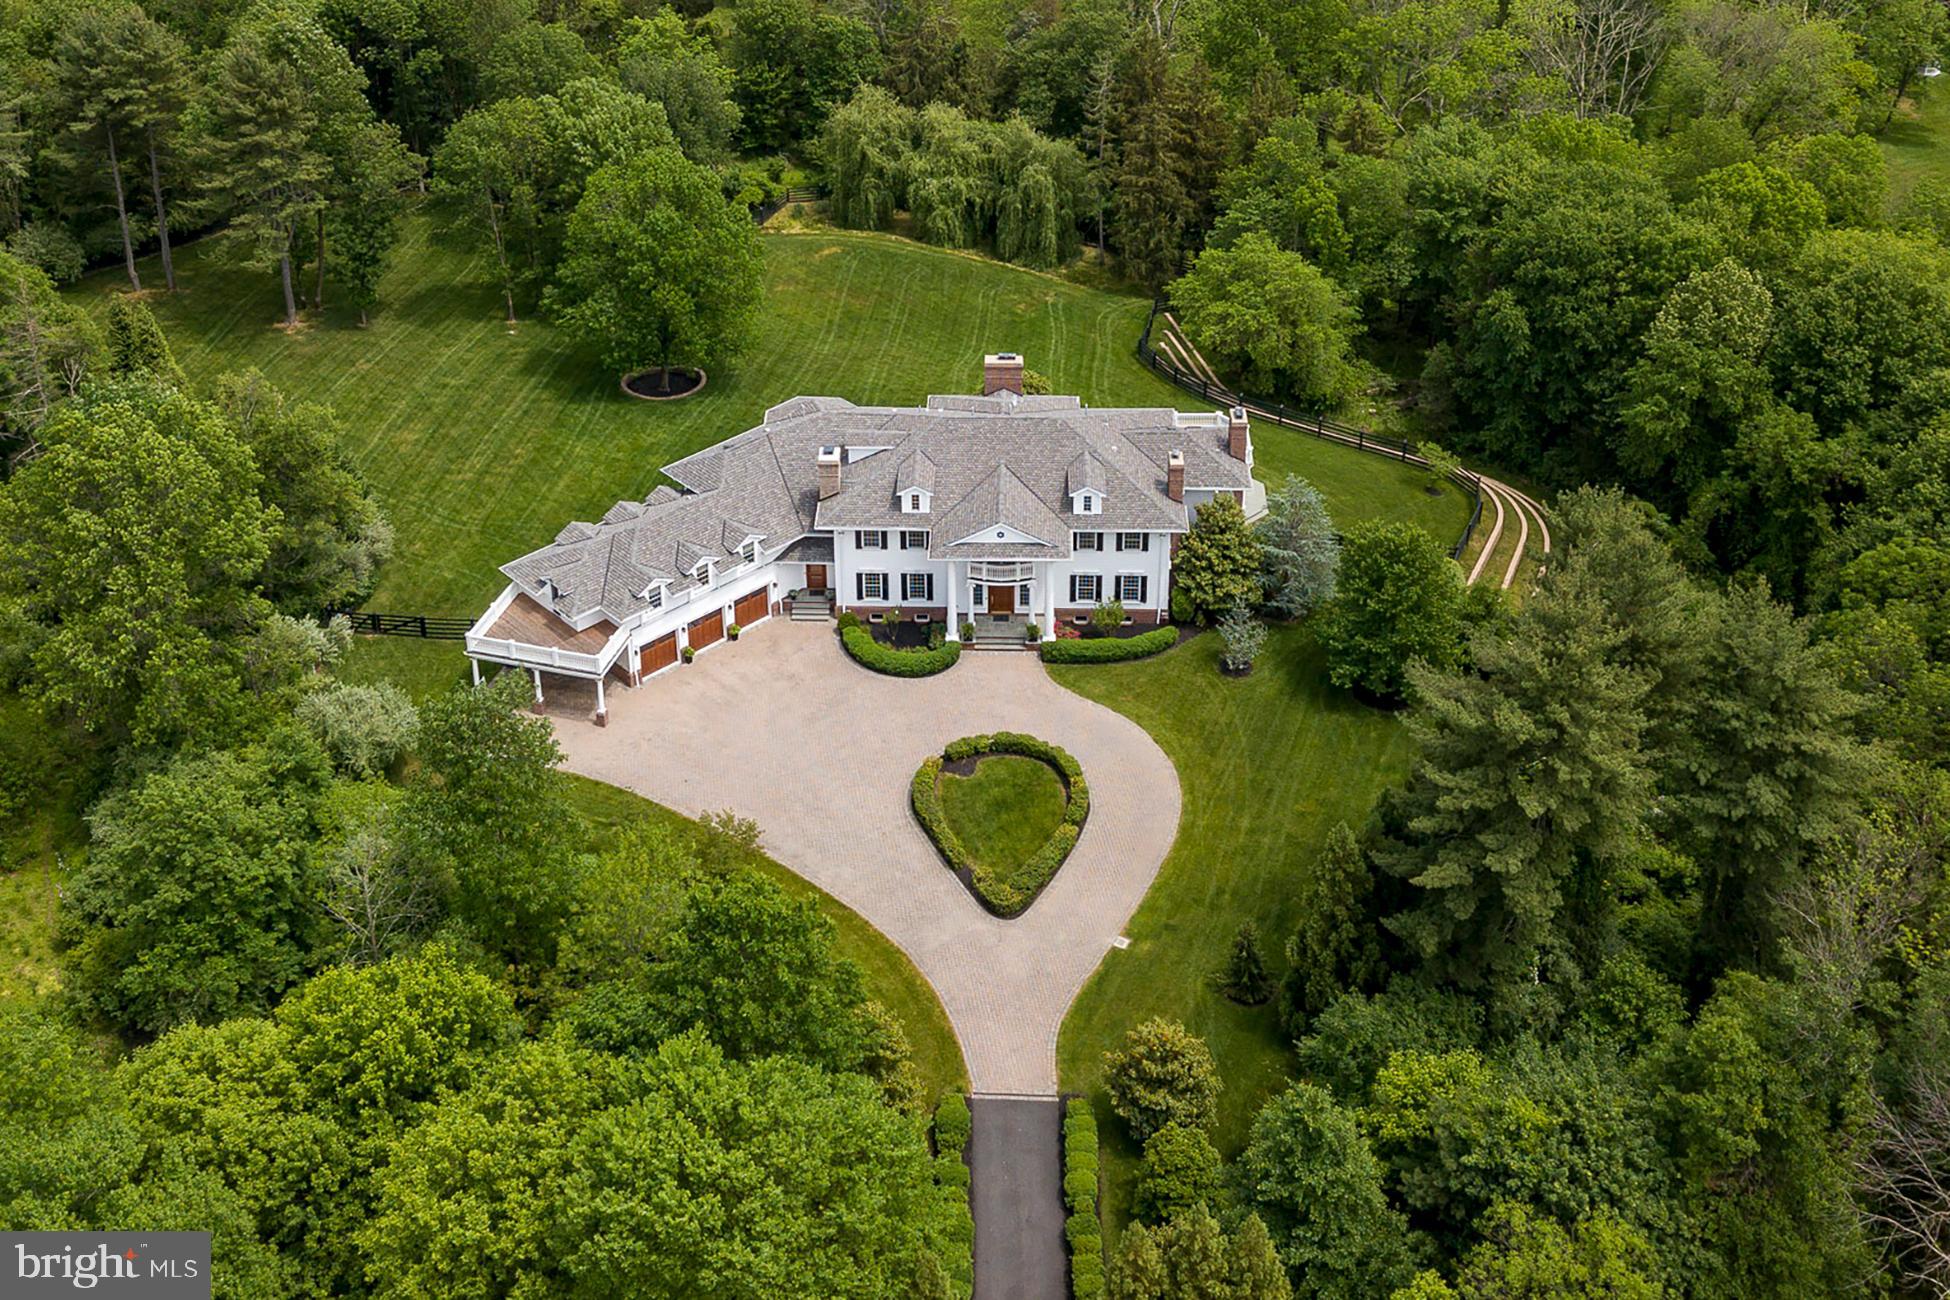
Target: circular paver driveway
783	728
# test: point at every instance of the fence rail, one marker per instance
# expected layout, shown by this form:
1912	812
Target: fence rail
1314	423
433	627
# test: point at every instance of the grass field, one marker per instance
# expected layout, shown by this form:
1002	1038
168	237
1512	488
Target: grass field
482	442
1005	811
1917	141
1268	764
891	978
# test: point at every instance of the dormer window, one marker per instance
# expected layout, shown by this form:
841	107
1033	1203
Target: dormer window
654	597
915	502
751	551
1087	502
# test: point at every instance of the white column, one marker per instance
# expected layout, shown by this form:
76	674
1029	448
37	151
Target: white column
954	603
602	711
1049	604
475	664
536	673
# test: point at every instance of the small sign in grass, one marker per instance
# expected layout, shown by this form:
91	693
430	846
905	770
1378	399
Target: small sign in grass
1005	810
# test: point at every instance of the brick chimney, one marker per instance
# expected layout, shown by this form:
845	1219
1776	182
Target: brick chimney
1237	439
1002	373
1175	476
829	471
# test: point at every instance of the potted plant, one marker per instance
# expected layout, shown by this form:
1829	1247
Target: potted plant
690	653
967	630
732	631
1030	632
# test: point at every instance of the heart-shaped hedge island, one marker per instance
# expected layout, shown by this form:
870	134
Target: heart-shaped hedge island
1004	810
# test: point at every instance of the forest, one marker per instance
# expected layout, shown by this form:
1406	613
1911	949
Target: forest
1635	983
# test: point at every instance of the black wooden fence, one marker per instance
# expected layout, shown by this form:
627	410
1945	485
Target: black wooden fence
431	626
1313	422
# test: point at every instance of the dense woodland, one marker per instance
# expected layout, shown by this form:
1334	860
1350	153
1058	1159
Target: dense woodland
1638	985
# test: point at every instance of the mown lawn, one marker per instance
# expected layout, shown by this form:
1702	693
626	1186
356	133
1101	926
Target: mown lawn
1267	765
483	441
1004	811
1916	143
891	978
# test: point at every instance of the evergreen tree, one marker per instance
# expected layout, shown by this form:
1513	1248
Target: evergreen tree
1297	545
371	171
1333	951
1770	770
1245	980
1530	778
136	345
1151	210
281	93
1218	567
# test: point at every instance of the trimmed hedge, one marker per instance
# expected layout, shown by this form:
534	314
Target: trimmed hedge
1111	649
898	663
952	1124
1003	895
1082	1230
952	1127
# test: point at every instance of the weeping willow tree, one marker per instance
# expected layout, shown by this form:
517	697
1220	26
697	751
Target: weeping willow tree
1044	190
866	144
967	183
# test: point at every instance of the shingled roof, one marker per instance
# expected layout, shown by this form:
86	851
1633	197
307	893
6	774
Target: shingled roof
1003	461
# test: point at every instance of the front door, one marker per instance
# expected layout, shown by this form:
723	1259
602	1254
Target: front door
815	577
1002	598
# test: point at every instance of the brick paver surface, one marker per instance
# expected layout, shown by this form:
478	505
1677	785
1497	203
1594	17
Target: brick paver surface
783	728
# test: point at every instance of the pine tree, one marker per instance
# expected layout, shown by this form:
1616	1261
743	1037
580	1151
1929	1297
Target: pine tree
1333	951
1254	1270
1530	778
281	92
91	84
1246	980
1149	204
136	345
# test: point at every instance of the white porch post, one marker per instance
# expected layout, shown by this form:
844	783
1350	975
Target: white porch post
602	711
475	664
954	603
1049	605
536	673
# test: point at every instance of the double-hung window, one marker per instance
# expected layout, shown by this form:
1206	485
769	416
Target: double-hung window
1086	588
1134	541
870	539
914	539
1088	541
872	586
917	586
1132	588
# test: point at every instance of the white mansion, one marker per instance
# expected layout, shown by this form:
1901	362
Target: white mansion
994	508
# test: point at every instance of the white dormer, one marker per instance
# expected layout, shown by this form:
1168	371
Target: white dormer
653	595
916	501
1087	502
1085	484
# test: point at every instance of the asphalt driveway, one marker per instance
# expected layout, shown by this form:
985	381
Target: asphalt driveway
782	727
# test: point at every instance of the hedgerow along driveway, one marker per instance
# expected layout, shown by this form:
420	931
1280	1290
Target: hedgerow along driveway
782	727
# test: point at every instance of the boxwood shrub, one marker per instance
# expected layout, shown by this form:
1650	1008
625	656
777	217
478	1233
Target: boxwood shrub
1082	1229
952	1124
952	1127
1003	893
1110	649
898	663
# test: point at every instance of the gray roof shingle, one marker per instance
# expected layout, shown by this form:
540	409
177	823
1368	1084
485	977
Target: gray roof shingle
1004	460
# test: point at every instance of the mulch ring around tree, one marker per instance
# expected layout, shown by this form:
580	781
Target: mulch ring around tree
1004	888
1124	631
649	386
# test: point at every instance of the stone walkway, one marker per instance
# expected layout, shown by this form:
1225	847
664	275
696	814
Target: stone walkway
782	727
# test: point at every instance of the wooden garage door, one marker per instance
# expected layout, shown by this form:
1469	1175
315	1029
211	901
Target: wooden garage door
708	630
752	607
661	653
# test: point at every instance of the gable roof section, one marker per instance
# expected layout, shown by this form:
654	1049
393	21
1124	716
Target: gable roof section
1000	504
916	474
1086	474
